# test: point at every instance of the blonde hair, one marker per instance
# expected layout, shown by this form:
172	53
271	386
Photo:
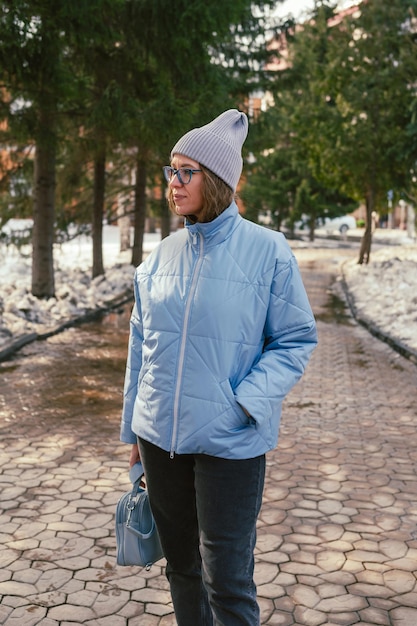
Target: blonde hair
217	196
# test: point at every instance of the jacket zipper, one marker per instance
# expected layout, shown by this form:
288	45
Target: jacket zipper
183	343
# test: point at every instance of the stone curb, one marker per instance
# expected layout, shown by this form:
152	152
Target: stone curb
19	342
373	328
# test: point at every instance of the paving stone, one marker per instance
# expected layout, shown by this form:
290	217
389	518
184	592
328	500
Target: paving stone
28	615
311	581
268	542
309	617
111	620
75	563
280	619
363	556
131	583
371	577
330	507
150	595
285	580
340	546
330	532
40	554
339	518
373	615
330	560
400	581
5	574
305	556
11	493
363	589
406	564
403	616
407	599
4	613
14	601
90	573
52	543
90	503
342	603
95	533
44	566
329	486
294	568
82	598
112	601
71	613
15	588
75	547
344	619
49	598
100	562
328	590
288	548
278	557
65	525
305	596
27	575
265	573
304	539
28	530
158	609
270	590
377	567
382	603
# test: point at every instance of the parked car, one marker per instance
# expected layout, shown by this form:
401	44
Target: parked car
342	223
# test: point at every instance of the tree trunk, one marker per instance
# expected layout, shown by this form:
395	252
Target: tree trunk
139	209
43	284
312	227
98	211
165	214
123	222
365	250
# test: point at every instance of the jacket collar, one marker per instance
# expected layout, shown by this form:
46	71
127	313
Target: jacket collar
219	229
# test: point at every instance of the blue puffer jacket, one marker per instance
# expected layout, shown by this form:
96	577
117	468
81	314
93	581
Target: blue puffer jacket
221	321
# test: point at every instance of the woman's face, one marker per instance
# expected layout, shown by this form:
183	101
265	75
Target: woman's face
188	199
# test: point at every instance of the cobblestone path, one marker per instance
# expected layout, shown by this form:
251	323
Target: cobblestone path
337	540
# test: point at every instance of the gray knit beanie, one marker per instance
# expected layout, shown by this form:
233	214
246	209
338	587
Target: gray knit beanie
218	145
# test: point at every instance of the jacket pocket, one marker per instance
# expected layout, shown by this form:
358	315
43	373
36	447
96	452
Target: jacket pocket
243	420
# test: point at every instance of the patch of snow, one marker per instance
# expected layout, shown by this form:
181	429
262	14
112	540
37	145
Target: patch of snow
384	291
76	293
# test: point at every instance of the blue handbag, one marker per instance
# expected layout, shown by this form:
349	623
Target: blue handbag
137	537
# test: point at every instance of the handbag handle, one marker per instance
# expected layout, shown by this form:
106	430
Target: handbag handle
136	473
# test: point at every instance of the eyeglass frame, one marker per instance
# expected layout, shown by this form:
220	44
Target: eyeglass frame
175	172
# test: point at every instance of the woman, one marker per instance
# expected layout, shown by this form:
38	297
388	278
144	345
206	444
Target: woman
221	330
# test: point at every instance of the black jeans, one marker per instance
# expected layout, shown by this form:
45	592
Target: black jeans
205	509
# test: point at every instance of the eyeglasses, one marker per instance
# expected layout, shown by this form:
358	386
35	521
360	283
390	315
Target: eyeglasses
184	174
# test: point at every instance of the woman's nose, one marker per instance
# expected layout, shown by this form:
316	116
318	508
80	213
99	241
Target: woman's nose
175	181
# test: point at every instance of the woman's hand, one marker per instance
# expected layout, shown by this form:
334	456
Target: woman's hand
134	455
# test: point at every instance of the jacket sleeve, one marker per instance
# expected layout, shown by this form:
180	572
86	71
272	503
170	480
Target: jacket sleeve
133	366
290	338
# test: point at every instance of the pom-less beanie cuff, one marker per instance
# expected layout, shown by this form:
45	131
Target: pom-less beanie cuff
218	145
